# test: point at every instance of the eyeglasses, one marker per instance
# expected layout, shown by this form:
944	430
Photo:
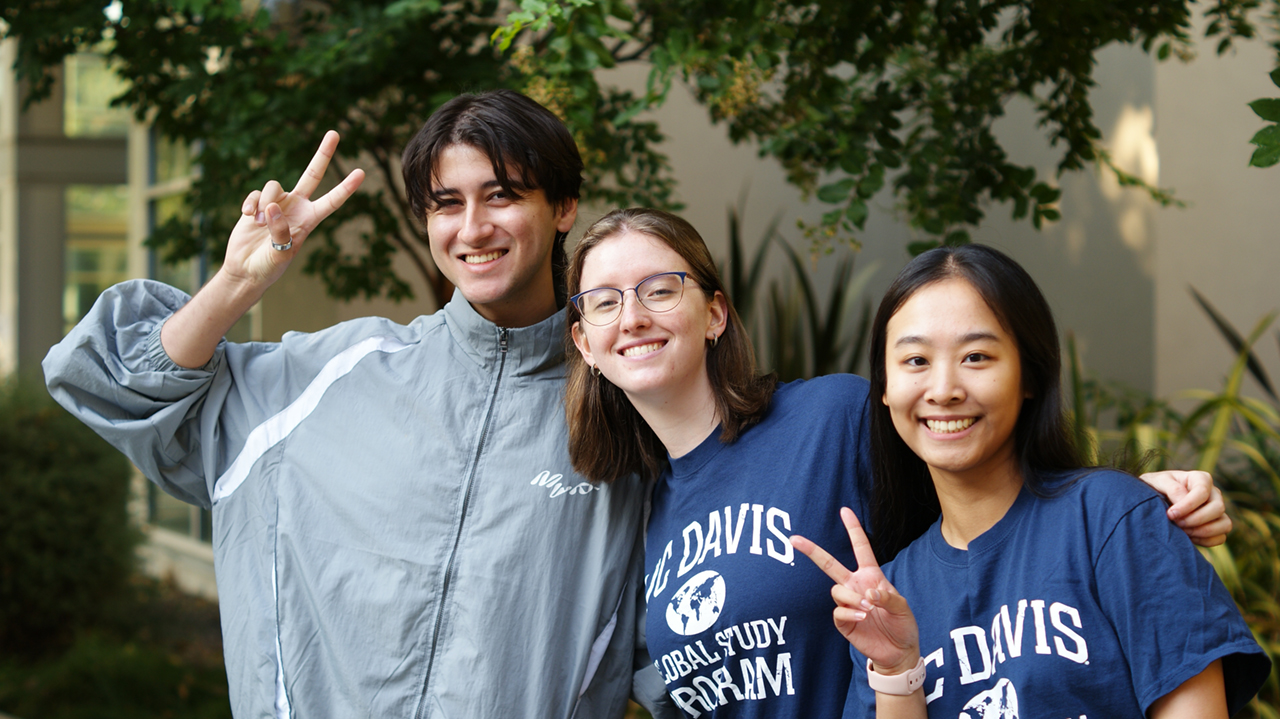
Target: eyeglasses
656	293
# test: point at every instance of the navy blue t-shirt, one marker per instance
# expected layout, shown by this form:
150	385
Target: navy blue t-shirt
1090	603
739	624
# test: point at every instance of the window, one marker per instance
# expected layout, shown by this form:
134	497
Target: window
86	104
97	246
169	175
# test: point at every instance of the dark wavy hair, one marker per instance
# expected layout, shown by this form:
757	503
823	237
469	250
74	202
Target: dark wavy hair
608	438
530	148
905	502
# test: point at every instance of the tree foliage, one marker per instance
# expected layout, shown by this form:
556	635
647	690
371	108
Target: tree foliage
253	91
850	97
853	96
1268	138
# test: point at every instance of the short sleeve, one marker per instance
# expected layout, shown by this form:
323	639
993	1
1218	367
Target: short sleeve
864	486
860	703
1170	611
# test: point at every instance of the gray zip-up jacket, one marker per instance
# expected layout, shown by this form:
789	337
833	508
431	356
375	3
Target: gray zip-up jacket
397	530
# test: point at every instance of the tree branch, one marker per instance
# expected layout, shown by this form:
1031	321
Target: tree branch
441	287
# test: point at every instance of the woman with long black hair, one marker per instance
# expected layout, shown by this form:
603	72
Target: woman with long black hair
1037	587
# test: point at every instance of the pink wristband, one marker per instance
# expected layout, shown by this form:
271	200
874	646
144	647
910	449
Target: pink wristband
901	685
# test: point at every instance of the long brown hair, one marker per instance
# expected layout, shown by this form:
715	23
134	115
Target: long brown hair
608	438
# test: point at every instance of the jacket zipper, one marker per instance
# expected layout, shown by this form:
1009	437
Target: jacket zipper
466	501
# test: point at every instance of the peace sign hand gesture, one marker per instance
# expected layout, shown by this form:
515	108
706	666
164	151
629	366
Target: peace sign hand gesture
274	223
272	227
869	612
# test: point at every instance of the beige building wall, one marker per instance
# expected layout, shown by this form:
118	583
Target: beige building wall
1227	244
1096	260
1116	267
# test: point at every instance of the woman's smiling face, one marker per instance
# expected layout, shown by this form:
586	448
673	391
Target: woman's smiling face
954	382
648	355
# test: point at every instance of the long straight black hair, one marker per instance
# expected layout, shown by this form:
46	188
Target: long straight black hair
905	502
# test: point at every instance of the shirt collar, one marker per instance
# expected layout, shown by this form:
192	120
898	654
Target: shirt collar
531	349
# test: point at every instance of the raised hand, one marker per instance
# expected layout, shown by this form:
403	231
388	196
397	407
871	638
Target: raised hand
869	612
272	219
272	228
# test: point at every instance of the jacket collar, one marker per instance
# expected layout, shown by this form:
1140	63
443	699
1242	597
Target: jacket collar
530	349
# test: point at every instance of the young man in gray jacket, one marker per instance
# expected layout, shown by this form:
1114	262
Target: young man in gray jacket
397	528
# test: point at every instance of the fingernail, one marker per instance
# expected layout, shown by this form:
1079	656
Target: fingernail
244	209
274	212
859	615
261	217
865	604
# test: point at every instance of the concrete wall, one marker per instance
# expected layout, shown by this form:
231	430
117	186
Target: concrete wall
1115	268
1227	244
8	211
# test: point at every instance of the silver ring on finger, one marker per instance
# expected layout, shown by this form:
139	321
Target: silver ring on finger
283	248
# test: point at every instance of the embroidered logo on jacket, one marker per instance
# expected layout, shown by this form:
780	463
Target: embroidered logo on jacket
558	487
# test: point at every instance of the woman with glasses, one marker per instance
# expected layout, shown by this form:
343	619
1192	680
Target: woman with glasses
664	385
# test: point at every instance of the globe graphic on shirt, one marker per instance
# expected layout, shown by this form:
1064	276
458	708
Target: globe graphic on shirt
696	605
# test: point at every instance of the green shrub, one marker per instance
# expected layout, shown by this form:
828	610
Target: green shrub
66	550
101	678
1237	439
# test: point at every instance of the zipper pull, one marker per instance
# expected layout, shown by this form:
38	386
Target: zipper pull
502	339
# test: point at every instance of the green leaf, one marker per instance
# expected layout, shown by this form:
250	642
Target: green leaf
1275	76
836	191
1237	343
889	159
1267	109
1265	156
597	50
853	161
1044	194
1163	52
411	9
921	247
1023	176
868	186
857	213
1269	135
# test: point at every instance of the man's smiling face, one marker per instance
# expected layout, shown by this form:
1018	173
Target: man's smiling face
495	248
